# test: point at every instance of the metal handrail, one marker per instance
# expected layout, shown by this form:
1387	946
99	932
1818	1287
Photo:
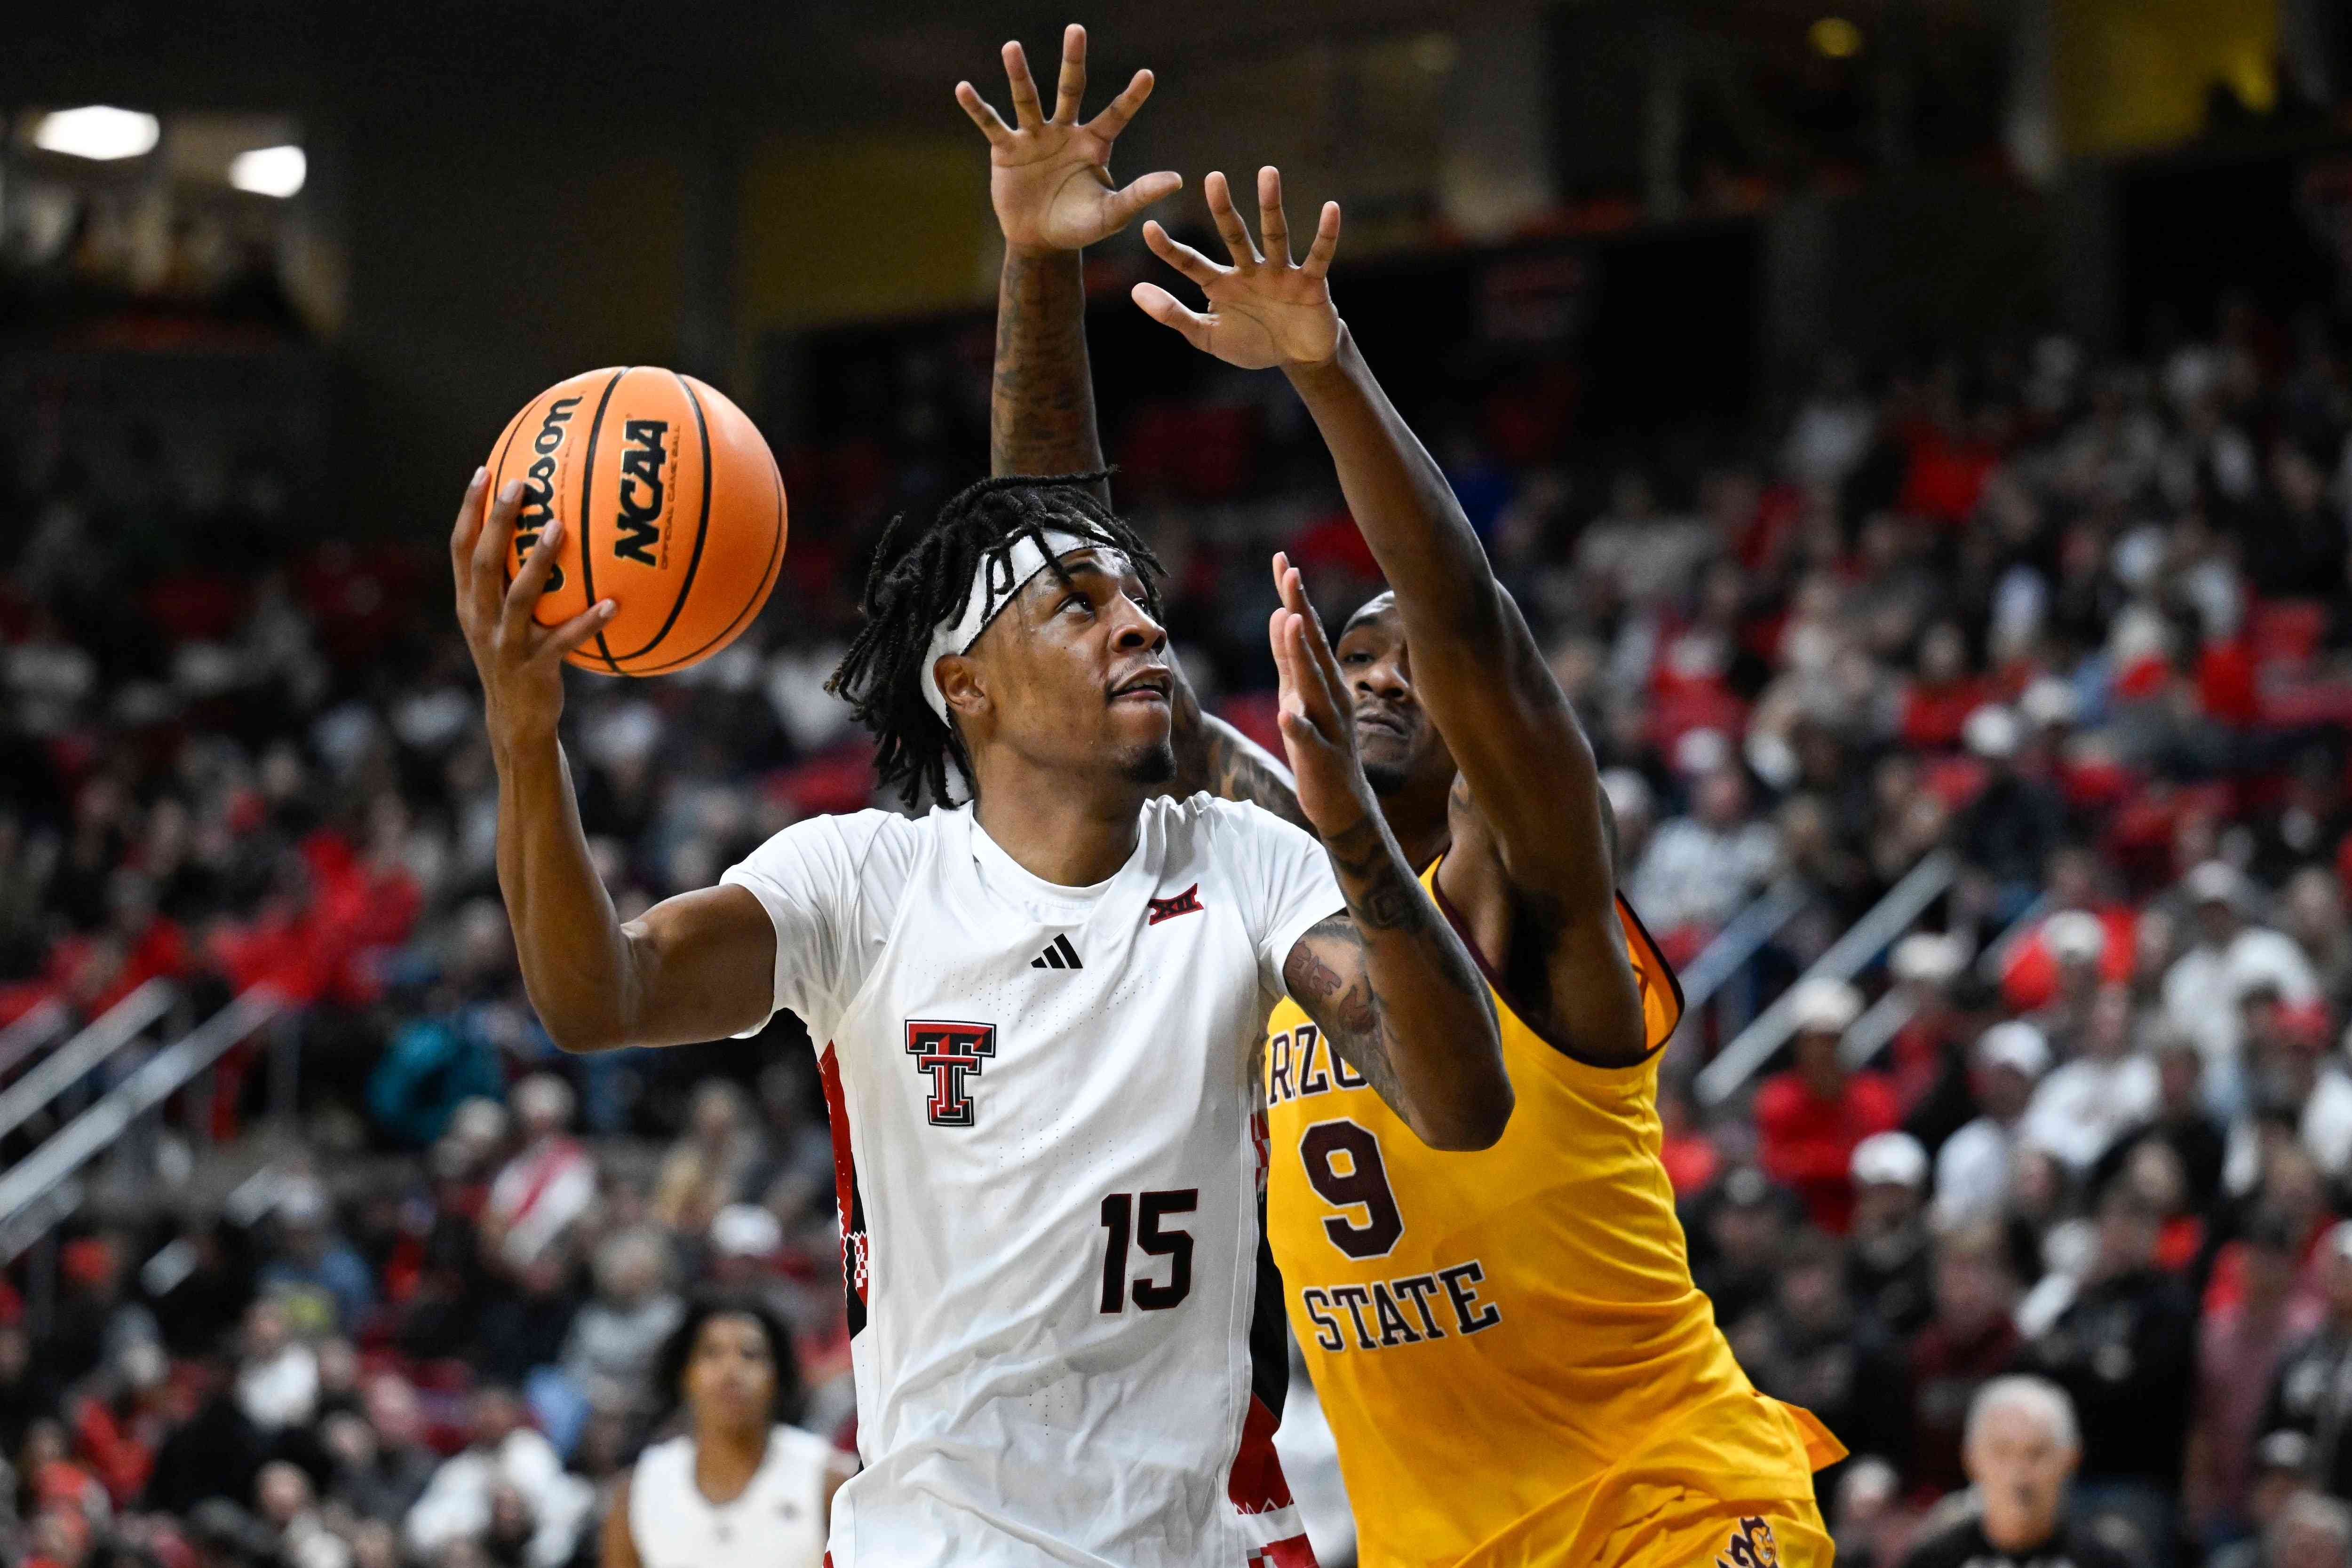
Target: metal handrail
1868	936
63	1067
33	1029
23	1219
1887	1015
1876	1026
1757	921
1994	960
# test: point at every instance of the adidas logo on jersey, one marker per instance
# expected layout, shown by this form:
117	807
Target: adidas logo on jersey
1058	955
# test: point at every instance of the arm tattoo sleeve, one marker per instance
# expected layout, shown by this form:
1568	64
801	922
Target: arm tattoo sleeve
1326	974
1042	401
1329	972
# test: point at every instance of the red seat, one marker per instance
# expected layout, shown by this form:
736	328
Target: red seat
2286	632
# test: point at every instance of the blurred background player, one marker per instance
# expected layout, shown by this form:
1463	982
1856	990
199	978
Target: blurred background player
1555	1436
741	1485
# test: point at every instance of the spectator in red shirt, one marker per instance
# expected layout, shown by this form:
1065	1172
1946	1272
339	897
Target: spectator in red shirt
1941	696
118	1422
1809	1119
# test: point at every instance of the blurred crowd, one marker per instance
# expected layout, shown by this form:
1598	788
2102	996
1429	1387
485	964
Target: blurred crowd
448	1361
2084	624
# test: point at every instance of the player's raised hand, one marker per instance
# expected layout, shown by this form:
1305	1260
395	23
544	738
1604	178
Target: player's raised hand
1318	731
1264	310
1049	176
520	661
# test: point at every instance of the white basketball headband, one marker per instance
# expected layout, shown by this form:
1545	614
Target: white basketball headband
996	582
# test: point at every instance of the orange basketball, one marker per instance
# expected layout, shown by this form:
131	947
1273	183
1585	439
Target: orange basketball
672	508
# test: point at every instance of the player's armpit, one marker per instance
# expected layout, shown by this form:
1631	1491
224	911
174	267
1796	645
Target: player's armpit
701	966
1592	1010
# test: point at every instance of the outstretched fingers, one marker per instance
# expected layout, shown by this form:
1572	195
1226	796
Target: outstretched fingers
991	124
1230	227
1327	243
1313	673
1273	223
1124	204
1165	309
1328	684
1027	114
1071	87
1121	110
1179	256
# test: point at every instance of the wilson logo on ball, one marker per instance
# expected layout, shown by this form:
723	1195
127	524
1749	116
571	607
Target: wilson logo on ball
672	508
538	483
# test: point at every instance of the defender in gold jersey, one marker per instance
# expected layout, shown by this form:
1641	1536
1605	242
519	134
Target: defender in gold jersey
1507	1343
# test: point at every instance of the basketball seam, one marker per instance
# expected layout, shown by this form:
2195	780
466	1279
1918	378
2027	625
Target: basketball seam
587	487
701	533
758	601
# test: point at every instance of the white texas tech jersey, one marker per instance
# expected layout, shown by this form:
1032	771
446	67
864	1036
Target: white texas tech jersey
1049	1179
776	1522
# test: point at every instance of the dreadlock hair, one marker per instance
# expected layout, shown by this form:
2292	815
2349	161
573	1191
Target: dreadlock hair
920	577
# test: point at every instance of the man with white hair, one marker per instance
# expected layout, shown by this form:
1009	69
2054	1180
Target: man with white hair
1811	1118
1972	1168
2021	1449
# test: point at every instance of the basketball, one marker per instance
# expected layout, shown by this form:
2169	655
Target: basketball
673	508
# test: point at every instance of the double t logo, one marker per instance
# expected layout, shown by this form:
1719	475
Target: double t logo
948	1052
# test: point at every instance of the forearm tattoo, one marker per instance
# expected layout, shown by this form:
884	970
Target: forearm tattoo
1328	977
1042	400
1331	974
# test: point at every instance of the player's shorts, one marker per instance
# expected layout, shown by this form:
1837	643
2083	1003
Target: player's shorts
1685	1530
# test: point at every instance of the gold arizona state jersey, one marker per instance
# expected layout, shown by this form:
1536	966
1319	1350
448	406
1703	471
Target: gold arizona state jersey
1508	1342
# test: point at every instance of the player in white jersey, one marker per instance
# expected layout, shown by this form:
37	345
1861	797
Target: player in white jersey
1037	1013
739	1487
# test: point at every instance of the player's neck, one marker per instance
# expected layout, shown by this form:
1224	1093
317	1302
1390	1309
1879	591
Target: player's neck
726	1458
1072	832
1417	818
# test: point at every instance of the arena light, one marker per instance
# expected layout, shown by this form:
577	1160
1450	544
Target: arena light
98	131
268	171
1835	38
